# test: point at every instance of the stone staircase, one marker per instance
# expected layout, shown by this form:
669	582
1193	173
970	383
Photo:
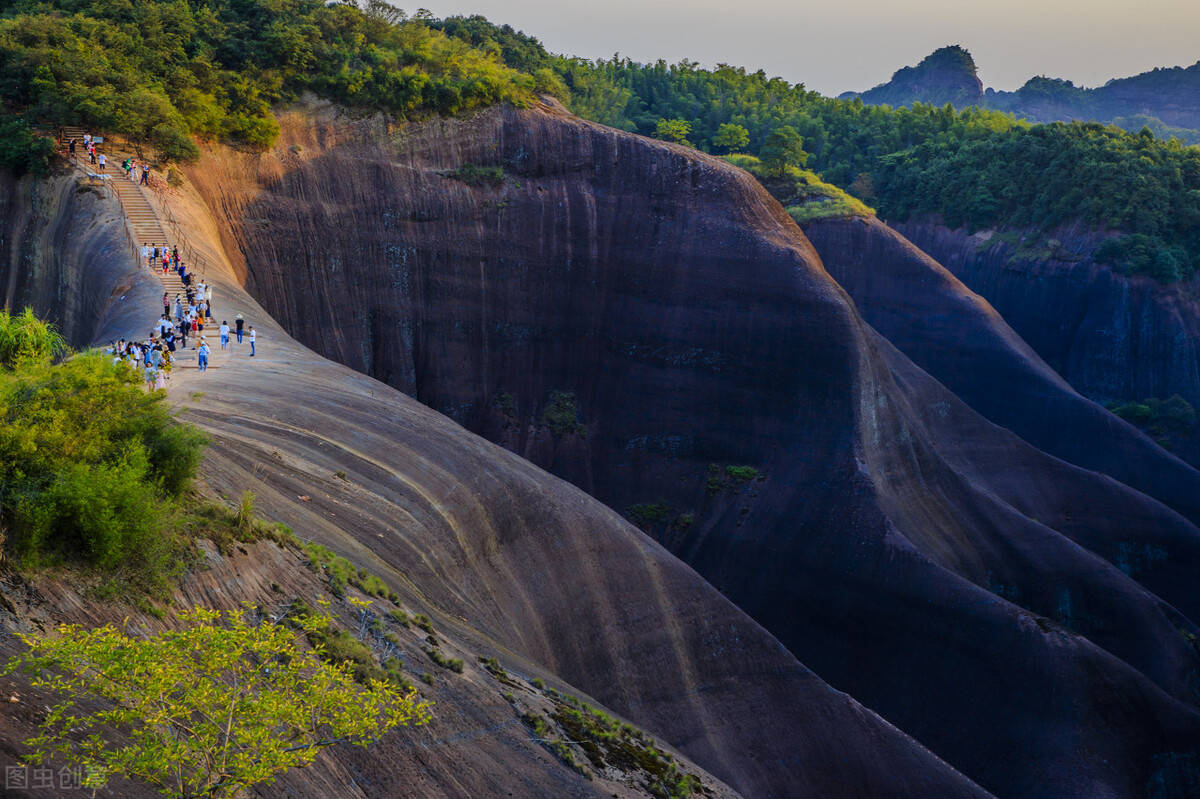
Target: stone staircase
146	229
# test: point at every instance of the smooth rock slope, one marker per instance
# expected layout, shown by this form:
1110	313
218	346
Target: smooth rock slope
638	318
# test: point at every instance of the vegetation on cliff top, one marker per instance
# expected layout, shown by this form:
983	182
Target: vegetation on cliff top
975	167
162	71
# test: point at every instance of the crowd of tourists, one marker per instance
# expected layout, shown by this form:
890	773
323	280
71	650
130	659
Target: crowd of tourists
137	172
184	316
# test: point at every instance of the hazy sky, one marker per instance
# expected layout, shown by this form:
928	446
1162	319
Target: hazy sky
836	46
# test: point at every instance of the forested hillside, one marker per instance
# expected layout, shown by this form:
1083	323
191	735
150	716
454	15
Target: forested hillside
163	72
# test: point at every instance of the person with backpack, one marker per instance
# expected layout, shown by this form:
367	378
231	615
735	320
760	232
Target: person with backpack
202	354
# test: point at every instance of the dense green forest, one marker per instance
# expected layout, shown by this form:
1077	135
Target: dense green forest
171	71
164	71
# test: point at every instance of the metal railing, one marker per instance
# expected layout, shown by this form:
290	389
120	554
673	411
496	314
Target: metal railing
192	257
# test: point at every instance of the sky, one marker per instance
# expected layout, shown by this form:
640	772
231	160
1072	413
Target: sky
834	47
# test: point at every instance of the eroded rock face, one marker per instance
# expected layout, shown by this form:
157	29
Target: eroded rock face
509	562
61	243
1110	336
934	565
958	338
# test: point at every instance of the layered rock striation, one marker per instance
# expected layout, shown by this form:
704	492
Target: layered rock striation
649	324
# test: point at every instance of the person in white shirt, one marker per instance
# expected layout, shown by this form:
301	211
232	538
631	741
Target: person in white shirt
224	330
251	341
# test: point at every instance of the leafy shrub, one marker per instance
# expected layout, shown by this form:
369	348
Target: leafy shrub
1174	415
453	664
422	621
1140	254
91	467
650	513
479	175
741	474
562	415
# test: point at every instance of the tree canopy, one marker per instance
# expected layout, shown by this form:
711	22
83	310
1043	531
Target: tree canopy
208	710
163	71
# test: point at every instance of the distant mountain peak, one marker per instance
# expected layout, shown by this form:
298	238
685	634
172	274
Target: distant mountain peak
947	75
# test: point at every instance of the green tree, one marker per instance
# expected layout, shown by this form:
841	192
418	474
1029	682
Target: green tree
208	710
784	148
675	130
733	138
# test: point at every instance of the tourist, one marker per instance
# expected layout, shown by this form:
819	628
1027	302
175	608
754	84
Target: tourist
71	145
166	303
102	161
149	377
145	174
224	330
251	341
238	323
203	355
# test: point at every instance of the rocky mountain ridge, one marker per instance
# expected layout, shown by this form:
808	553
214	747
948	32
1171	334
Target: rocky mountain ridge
1165	99
507	561
649	324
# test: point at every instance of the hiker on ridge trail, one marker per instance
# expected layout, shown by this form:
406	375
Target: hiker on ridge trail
238	323
224	330
251	341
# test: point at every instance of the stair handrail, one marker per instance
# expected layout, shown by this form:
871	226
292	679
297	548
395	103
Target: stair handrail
109	192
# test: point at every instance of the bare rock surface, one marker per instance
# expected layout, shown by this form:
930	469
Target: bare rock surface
509	562
637	319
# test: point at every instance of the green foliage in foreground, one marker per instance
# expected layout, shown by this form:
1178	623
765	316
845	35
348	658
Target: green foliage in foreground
162	71
26	340
208	710
91	467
